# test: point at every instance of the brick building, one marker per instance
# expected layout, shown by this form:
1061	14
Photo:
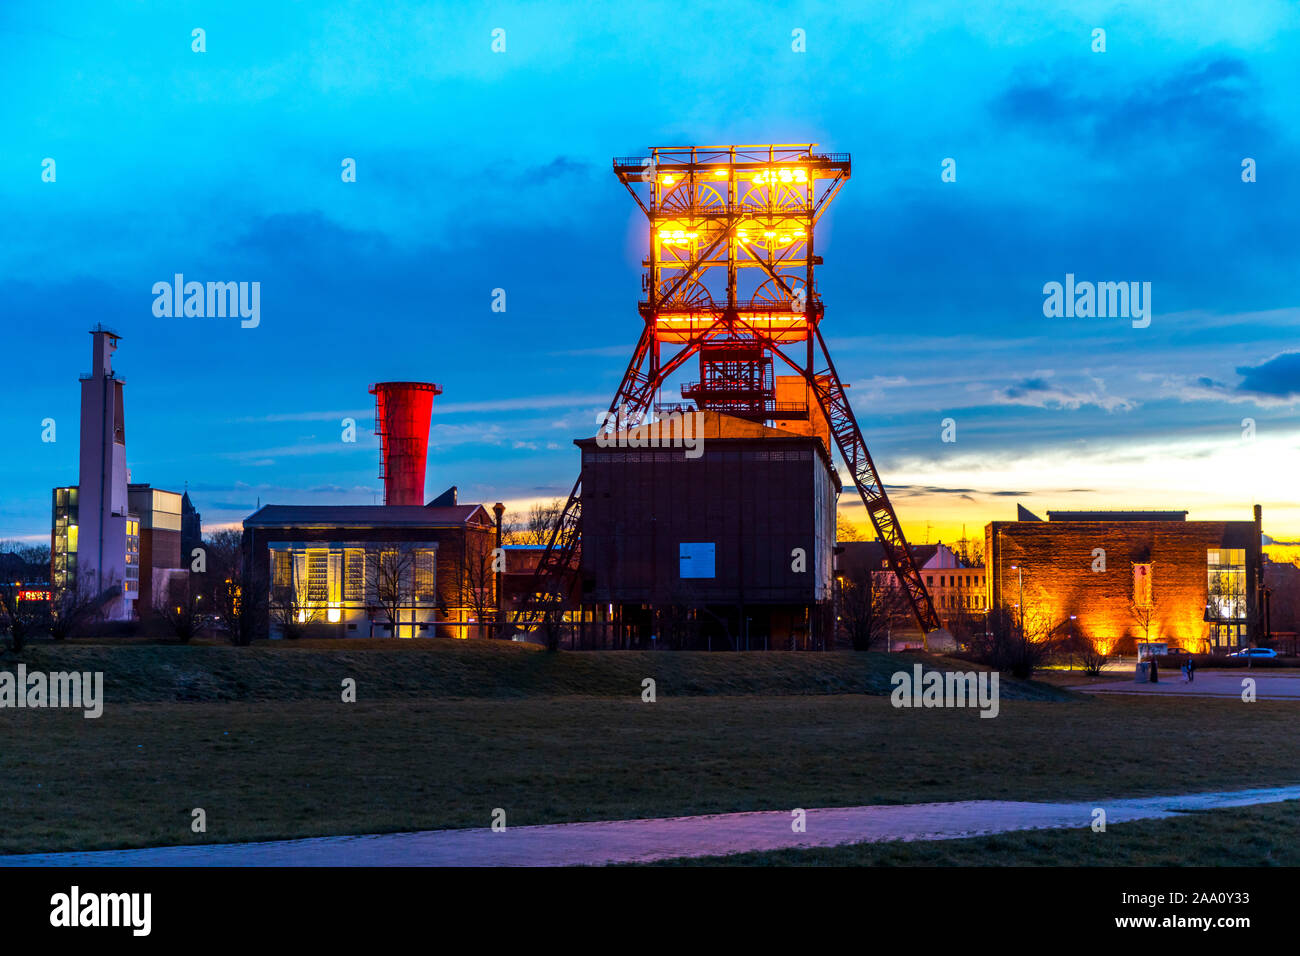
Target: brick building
341	569
1120	577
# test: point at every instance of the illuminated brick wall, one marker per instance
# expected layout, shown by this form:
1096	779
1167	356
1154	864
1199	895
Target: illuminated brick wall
1056	561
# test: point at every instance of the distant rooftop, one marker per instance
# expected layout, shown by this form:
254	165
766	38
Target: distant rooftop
1117	516
365	516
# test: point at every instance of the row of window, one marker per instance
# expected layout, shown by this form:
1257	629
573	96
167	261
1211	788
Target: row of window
353	573
956	580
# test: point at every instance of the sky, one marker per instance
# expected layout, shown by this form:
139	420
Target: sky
479	170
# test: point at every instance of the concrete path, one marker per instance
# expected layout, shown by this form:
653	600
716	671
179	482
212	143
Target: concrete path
569	844
1268	686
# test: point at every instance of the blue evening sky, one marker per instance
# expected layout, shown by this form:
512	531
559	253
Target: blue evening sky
479	170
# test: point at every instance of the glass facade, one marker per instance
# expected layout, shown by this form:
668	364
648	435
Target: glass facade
131	586
1226	597
341	582
63	550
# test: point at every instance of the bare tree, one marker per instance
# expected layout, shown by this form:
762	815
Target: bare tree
869	608
290	606
846	530
536	527
35	556
21	619
478	581
180	612
1017	641
390	581
231	590
1144	615
70	610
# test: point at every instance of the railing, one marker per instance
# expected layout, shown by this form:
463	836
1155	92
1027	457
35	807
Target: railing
750	305
669	208
744	157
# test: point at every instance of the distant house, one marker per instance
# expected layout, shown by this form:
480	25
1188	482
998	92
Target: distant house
957	591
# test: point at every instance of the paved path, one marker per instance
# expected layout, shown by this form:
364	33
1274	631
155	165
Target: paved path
570	844
1268	686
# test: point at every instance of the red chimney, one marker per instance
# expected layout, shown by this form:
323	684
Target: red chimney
402	411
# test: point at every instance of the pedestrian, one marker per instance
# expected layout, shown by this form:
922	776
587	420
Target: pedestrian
1155	671
1186	679
1191	669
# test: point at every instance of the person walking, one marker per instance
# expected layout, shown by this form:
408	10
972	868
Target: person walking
1186	679
1191	669
1155	671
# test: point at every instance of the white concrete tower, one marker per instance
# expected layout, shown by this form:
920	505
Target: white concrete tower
104	540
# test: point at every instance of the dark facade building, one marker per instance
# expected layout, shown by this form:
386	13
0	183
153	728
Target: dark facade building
162	576
191	529
1121	577
374	570
729	543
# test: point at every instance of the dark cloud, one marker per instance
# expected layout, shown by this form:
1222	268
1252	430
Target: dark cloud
1278	377
1208	99
909	491
558	168
1274	382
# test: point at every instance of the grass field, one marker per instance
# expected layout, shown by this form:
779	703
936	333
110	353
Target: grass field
1267	835
440	669
444	732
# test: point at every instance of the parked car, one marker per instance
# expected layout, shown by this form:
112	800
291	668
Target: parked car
1178	652
1254	652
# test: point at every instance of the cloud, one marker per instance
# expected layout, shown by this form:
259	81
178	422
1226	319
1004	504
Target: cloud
1279	377
1039	391
1272	383
1206	99
907	491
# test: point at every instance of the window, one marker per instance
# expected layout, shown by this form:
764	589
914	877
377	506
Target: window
1226	584
354	574
282	569
424	575
317	575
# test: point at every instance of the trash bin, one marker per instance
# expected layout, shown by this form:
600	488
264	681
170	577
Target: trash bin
1143	674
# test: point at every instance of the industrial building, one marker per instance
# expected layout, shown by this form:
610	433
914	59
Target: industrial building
732	547
115	541
374	570
1120	577
400	569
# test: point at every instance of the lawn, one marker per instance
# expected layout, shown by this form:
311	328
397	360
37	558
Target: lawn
1265	835
439	669
440	739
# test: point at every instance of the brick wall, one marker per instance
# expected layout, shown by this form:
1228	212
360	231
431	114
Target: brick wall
1057	573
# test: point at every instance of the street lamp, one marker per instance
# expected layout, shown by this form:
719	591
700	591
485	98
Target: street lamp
1021	581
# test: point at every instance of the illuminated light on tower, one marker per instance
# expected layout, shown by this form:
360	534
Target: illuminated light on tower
730	280
402	412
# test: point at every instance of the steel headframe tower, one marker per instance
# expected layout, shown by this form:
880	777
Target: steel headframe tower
731	279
